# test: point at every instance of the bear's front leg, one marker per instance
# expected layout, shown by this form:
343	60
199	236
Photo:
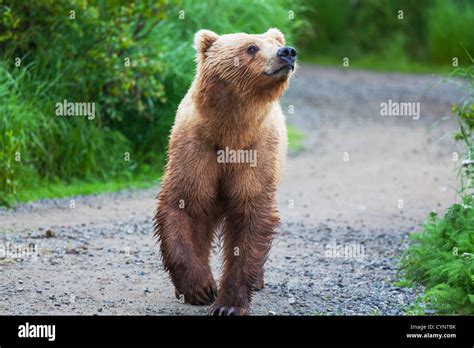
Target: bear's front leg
248	234
186	219
185	244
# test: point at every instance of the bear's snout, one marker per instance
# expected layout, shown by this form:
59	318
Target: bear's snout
287	55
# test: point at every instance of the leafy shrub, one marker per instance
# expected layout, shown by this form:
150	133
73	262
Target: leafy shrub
442	259
450	30
88	49
465	116
442	256
430	32
329	20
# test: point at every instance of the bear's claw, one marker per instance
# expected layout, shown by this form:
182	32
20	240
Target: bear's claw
227	311
199	296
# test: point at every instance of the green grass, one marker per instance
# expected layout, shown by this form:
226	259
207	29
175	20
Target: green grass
295	139
60	189
381	64
402	283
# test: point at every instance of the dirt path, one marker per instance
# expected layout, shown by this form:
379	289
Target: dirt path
363	182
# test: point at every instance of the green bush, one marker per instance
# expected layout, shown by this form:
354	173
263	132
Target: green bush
442	255
36	144
450	31
430	32
442	259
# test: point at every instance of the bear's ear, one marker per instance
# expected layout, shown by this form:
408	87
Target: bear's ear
276	34
203	40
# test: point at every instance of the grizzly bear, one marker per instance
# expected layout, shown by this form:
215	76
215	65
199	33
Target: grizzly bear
232	107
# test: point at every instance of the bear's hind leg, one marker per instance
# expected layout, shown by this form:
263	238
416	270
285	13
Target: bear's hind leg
259	283
248	234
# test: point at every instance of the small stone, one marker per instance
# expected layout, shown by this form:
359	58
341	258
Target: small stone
271	313
70	250
50	233
7	261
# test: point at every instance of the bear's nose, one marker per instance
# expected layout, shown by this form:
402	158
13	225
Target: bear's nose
287	54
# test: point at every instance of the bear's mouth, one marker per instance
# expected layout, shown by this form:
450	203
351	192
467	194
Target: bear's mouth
286	67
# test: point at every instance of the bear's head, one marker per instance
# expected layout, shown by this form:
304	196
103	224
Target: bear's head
248	64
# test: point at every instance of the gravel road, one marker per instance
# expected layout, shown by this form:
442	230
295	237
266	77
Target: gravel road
348	201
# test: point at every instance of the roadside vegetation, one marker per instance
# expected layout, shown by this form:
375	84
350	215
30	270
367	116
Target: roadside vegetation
441	257
395	35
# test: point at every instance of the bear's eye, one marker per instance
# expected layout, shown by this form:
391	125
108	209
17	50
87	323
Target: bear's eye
252	49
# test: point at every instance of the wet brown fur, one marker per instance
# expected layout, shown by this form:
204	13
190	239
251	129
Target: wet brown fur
226	106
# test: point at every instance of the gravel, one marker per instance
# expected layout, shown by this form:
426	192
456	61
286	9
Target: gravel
119	273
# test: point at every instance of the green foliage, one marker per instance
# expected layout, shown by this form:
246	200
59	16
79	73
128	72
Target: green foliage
465	116
36	144
450	30
14	114
442	259
295	139
59	189
442	255
429	31
89	51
